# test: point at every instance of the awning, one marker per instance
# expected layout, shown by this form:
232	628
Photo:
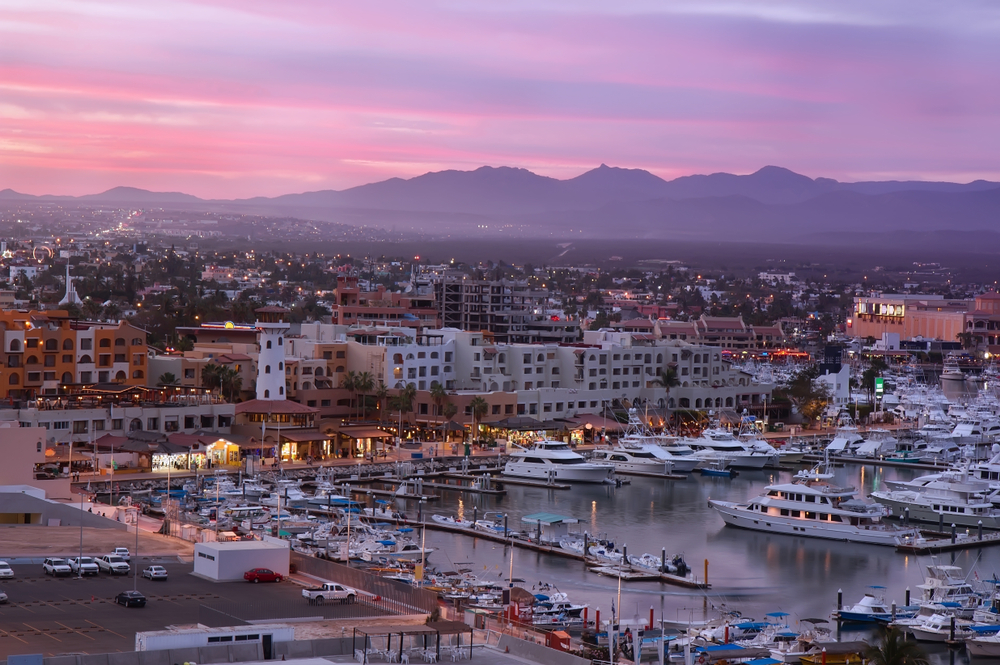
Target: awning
596	422
361	432
304	435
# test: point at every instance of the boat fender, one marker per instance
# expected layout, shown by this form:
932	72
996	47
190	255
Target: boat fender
702	659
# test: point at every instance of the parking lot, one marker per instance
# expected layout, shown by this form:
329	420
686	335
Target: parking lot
69	615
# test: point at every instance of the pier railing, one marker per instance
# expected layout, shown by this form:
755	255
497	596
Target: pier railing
388	595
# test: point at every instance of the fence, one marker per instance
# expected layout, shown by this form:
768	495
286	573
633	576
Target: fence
389	595
227	613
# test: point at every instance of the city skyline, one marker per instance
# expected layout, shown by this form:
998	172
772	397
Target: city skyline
227	100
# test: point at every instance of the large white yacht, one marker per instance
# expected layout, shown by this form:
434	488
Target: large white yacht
719	445
555	460
952	497
814	508
639	450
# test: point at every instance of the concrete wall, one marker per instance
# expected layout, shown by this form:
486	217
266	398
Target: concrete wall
14	501
228	561
538	653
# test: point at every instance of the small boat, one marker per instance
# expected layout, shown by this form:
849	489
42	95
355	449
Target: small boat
871	608
718	468
448	520
675	565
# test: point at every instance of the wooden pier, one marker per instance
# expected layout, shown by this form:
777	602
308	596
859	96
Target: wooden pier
942	542
510	481
454	488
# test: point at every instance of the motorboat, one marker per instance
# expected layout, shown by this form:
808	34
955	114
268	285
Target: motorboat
938	628
549	460
872	608
719	444
813	508
951	498
645	458
556	604
878	443
675	565
493	522
846	438
448	520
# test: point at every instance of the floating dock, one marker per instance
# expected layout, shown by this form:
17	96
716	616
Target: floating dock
453	488
942	542
652	474
509	481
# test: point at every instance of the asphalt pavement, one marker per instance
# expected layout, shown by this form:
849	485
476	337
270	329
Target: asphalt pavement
68	615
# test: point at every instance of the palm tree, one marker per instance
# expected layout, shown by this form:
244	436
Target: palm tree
479	407
230	381
892	648
364	383
667	378
404	400
167	379
211	376
91	308
381	395
438	394
350	381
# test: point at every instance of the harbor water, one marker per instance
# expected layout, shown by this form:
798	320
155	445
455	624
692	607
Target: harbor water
752	572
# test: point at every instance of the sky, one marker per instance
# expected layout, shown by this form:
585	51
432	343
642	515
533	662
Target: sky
240	98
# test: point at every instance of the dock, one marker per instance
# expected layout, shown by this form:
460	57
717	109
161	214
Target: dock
841	459
510	481
942	542
652	474
395	495
453	488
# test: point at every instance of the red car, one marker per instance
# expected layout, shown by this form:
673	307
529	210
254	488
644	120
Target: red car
262	575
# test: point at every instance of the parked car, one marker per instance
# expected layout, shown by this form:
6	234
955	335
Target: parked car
113	564
329	591
131	599
83	565
262	575
123	553
5	571
56	567
155	573
3	598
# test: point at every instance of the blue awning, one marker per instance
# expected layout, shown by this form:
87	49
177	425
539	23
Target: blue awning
763	661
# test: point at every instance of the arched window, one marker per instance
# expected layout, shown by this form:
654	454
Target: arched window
604	385
120	376
137	374
697	357
685	403
502	358
409	356
340	368
541	358
306	385
280	342
729	401
137	341
15	345
671	404
119	341
14	379
697	403
659	358
281	366
105	343
51	345
397	358
267	369
319	371
434	355
67	377
67	344
85	359
32	360
135	425
267	393
718	401
281	390
269	344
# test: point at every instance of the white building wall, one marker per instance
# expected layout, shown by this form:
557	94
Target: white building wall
227	561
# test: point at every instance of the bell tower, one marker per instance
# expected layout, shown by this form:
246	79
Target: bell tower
272	327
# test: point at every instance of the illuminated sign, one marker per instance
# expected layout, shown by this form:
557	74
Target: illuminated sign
879	386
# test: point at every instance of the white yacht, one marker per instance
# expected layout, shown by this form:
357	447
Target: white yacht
814	508
952	497
716	444
555	460
879	442
846	438
647	457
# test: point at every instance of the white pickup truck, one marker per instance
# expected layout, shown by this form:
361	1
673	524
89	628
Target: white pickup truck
330	591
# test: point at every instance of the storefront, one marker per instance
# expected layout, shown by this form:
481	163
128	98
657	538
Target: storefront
222	453
361	441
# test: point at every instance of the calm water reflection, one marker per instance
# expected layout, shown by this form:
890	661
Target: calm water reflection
750	571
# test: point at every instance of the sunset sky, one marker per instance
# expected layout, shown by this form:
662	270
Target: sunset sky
238	98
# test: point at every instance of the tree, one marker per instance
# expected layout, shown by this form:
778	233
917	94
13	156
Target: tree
92	309
230	382
211	376
167	379
667	379
479	407
892	648
364	383
808	395
438	394
403	401
967	340
381	395
350	382
449	412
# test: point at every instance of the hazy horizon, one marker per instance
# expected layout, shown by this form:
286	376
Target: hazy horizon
232	100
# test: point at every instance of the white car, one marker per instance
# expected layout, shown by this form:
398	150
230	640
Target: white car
155	573
3	598
84	565
5	571
113	564
56	567
123	553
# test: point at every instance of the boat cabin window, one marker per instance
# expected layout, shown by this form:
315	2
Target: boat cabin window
784	512
644	455
796	513
534	460
836	518
810	498
574	460
773	493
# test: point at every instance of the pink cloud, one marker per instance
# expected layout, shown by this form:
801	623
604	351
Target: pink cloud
227	99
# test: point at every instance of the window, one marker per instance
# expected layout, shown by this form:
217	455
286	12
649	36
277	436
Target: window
324	402
153	424
267	393
67	377
86	377
328	355
495	410
32	376
447	356
508	409
120	358
547	408
138	374
532	409
50	361
60	424
31	344
281	341
15	345
51	345
527	385
105	343
527	357
138	359
13	361
559	406
79	427
49	376
268	344
189	422
540	358
86	344
527	370
281	366
119	341
267	369
102	377
555	370
341	354
98	425
67	344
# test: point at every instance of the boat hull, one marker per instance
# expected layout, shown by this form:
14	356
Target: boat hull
736	515
988	647
573	473
920	513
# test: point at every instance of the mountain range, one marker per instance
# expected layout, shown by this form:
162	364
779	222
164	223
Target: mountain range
771	203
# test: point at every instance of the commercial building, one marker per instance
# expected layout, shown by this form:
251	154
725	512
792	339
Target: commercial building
926	317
